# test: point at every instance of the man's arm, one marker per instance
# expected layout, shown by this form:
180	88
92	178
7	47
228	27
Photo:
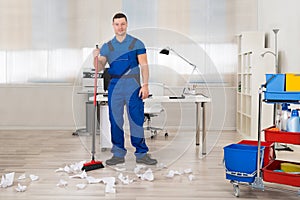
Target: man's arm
143	62
101	60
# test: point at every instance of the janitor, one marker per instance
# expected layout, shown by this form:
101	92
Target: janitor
127	58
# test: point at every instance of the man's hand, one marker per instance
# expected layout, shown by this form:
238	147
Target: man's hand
96	52
144	91
101	60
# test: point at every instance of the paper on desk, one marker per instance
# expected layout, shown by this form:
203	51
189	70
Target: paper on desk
148	175
62	183
21	188
125	179
109	184
7	180
83	175
33	177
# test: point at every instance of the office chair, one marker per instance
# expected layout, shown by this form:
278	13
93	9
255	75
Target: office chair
154	109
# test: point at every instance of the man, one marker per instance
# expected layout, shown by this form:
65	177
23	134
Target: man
125	54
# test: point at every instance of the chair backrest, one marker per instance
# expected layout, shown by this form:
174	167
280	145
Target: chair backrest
155	89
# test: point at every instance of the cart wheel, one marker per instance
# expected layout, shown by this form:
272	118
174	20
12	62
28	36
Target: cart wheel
236	190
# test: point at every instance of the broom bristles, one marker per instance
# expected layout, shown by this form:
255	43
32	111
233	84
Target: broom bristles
92	165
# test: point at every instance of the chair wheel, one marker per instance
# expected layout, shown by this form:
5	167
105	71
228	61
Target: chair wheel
166	134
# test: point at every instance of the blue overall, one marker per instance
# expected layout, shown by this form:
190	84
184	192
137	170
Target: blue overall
124	90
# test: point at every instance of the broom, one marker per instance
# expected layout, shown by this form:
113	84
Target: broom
94	164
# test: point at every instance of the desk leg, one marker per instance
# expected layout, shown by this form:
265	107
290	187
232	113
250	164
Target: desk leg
198	122
203	129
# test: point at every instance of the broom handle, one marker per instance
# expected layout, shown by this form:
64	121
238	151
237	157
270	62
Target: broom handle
95	108
95	80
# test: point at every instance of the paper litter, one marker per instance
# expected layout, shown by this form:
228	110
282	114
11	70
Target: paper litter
7	180
21	188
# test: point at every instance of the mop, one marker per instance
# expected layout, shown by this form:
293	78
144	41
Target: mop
94	164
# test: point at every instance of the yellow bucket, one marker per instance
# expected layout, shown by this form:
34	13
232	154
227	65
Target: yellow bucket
292	82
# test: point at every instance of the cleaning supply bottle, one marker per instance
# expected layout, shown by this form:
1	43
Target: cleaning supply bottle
278	120
293	123
284	116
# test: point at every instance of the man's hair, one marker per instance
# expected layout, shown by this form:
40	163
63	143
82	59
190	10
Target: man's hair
119	15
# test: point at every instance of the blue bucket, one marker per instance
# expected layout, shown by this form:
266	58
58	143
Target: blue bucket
241	162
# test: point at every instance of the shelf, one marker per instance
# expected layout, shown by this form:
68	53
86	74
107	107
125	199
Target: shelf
250	74
282	136
272	176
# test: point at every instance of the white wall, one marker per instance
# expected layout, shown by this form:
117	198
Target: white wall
41	107
284	15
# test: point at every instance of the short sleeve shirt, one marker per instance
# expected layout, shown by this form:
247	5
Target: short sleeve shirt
121	48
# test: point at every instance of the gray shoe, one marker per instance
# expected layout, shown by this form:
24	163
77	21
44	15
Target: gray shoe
115	160
147	160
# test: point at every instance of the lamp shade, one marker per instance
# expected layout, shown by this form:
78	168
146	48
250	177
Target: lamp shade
165	51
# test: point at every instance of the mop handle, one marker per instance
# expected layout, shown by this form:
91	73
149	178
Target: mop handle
95	80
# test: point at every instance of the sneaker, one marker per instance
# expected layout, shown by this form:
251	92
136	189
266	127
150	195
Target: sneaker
115	160
146	160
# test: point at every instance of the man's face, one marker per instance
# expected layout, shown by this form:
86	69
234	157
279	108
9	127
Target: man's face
120	26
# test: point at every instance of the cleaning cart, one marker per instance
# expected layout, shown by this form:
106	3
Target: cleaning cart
236	156
280	88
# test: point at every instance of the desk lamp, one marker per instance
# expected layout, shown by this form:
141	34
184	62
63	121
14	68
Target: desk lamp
186	90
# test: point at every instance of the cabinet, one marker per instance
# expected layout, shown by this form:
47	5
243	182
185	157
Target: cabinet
251	70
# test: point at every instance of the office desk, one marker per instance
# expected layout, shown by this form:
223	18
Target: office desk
200	101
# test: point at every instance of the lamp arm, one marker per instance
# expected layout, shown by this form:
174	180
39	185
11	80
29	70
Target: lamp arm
183	58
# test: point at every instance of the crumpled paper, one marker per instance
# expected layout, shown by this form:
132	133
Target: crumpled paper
33	177
125	179
62	183
21	188
109	184
7	180
138	168
191	177
82	175
72	168
23	176
188	171
172	173
92	180
161	165
80	186
148	175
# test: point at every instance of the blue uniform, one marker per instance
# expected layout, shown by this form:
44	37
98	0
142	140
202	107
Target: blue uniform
124	90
